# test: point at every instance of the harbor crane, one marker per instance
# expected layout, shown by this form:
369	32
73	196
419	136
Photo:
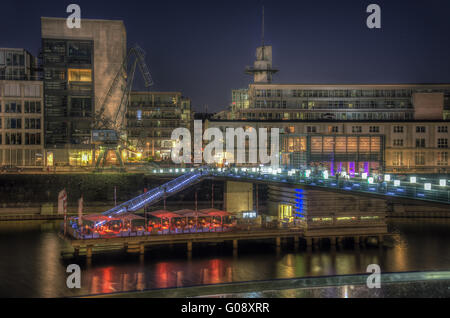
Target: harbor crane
108	126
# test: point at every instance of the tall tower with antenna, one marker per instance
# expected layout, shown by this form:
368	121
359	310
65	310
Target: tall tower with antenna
262	69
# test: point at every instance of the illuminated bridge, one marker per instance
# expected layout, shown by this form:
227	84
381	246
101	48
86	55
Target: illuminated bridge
414	188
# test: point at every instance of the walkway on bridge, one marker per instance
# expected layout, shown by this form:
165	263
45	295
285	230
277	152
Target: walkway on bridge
429	190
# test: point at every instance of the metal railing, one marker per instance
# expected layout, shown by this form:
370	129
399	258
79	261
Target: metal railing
158	193
428	190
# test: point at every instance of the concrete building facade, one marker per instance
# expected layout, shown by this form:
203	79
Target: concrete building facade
21	123
17	65
79	65
359	146
345	102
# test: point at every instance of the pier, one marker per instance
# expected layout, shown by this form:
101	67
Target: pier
135	244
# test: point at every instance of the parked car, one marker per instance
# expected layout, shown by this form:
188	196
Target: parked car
11	168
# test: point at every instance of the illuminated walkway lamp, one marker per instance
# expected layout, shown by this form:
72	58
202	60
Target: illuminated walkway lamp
427	186
442	182
413	179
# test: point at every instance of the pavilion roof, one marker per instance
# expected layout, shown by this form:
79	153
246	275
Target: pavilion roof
190	213
130	217
97	218
165	214
215	212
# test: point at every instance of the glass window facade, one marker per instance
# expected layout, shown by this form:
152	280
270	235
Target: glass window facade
68	91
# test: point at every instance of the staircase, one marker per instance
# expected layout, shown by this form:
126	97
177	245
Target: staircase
156	194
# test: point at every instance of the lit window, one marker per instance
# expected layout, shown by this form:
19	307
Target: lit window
78	75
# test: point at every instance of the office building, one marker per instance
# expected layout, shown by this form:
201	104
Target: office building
265	100
407	146
79	66
21	110
151	118
17	65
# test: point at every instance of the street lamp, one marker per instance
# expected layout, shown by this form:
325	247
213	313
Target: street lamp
413	180
442	182
397	183
427	186
387	177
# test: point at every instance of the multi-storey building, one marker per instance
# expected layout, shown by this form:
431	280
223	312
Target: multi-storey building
79	67
346	102
151	118
17	64
271	101
21	110
239	99
410	146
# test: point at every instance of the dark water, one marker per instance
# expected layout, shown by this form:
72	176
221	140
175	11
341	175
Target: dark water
31	263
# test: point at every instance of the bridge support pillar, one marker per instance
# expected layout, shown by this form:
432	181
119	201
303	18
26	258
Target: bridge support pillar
189	247
296	239
380	240
141	248
235	245
76	251
333	241
238	196
356	241
362	241
316	242
278	242
89	251
309	241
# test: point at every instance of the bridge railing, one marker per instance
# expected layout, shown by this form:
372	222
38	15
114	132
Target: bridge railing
423	191
427	189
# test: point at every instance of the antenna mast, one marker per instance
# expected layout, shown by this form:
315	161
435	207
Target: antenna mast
262	27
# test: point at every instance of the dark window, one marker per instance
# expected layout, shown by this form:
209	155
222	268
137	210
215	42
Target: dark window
420	129
442	143
420	143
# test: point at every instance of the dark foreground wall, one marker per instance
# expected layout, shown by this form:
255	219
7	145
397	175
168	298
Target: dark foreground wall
28	190
45	188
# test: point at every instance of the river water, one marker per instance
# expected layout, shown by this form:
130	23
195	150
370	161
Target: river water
31	264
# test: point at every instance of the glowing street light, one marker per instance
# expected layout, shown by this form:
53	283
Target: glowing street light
364	175
413	179
325	174
397	183
387	177
427	186
442	182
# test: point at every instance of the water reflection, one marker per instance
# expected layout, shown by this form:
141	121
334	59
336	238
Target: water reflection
32	266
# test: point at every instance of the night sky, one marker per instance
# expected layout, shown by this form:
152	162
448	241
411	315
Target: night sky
202	47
